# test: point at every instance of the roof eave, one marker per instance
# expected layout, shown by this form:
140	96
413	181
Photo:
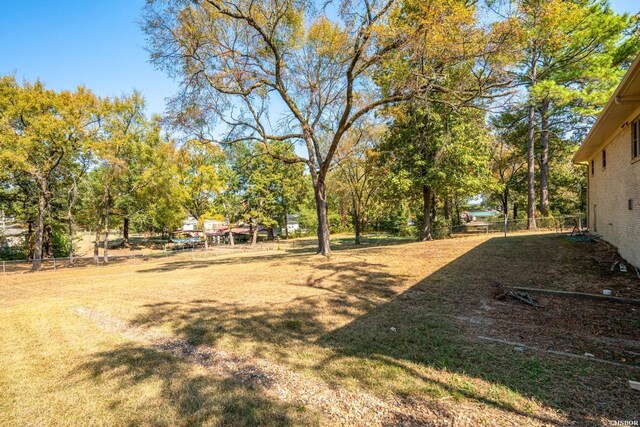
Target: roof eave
594	140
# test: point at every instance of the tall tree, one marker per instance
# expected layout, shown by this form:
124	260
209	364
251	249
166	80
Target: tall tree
74	173
200	178
40	131
148	159
571	57
507	165
359	171
158	203
269	187
239	58
122	128
441	153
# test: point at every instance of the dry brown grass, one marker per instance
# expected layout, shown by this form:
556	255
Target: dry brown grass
328	320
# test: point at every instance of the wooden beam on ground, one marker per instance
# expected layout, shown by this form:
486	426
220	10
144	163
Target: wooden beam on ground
557	353
579	295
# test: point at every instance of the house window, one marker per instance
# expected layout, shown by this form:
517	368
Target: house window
593	167
635	138
604	159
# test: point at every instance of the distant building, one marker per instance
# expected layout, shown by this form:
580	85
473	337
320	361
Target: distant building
213	225
191	224
478	216
293	223
11	234
611	153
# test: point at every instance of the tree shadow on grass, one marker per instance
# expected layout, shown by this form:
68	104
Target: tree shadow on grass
208	321
291	253
353	316
186	396
342	290
426	333
225	259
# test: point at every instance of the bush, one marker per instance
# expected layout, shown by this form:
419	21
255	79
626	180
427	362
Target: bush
406	230
440	228
400	223
11	253
60	244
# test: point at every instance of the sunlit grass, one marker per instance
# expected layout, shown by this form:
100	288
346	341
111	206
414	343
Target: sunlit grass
328	319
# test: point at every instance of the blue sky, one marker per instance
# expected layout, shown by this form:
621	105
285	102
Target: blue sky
67	43
98	44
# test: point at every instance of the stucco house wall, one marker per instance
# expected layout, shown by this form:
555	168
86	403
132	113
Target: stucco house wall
611	188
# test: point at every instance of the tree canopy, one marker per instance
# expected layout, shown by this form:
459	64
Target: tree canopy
331	116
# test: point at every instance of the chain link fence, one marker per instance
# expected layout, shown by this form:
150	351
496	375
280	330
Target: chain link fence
192	252
500	225
496	225
183	254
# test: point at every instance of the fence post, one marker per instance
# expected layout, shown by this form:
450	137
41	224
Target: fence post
54	263
505	225
580	221
4	271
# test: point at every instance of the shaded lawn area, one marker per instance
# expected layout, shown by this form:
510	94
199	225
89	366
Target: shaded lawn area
399	322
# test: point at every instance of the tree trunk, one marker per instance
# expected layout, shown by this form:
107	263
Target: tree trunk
70	237
426	225
356	221
106	230
344	217
320	192
531	193
515	211
73	196
125	232
286	224
96	245
231	241
447	209
30	238
544	158
47	241
434	208
42	204
505	201
254	238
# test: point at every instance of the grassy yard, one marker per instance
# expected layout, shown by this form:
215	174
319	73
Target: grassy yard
379	334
